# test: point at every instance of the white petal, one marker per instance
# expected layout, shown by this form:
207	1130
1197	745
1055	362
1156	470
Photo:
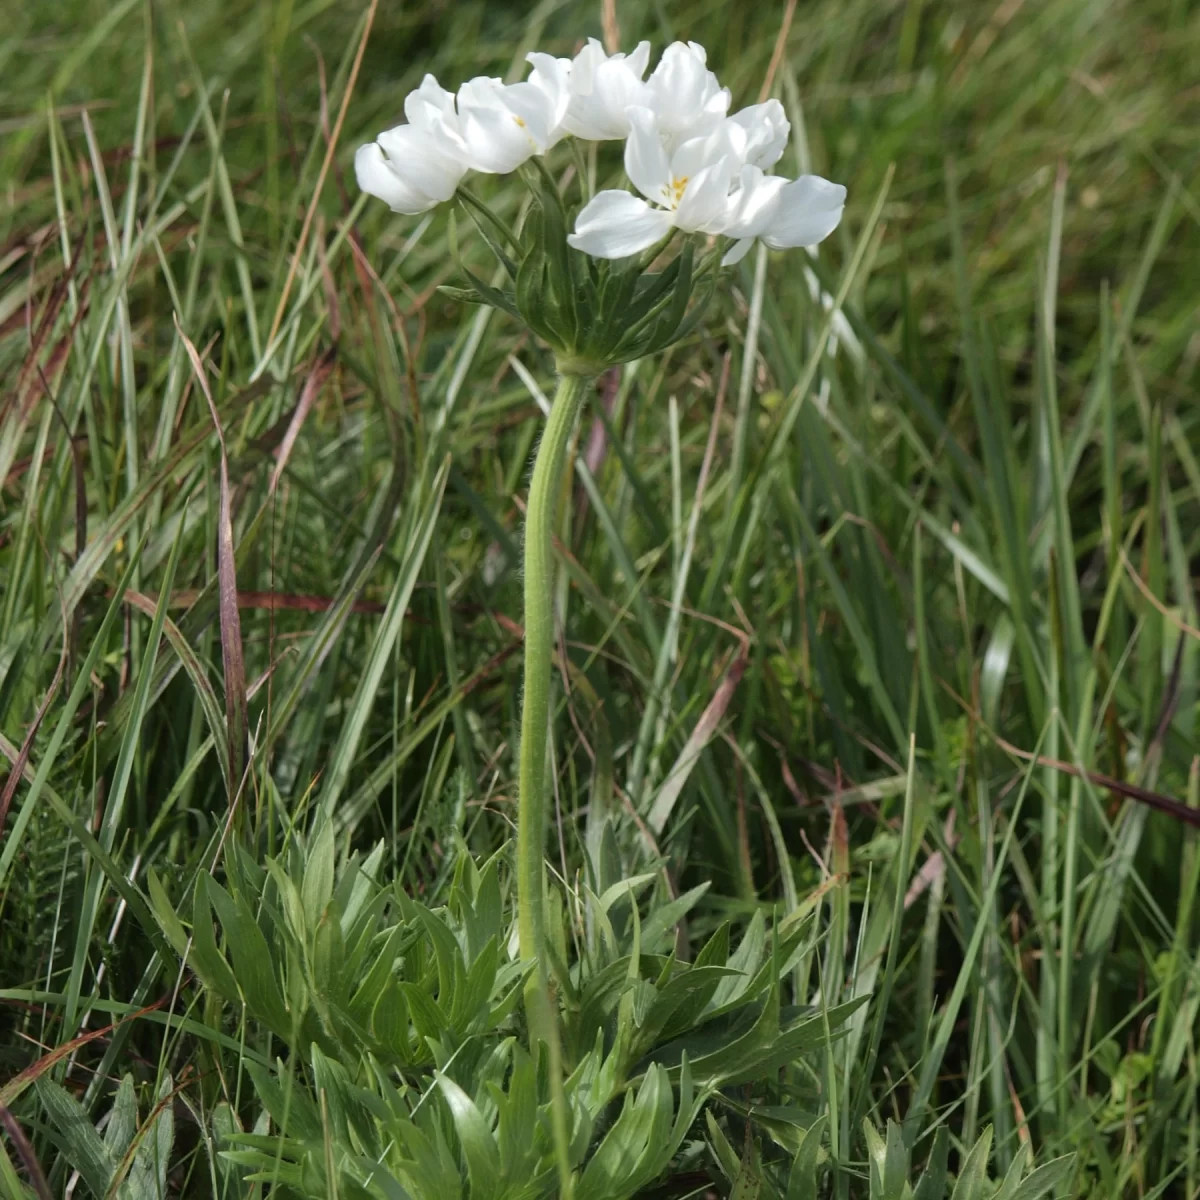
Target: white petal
602	88
588	120
502	125
430	109
713	111
753	207
552	76
726	141
480	89
687	97
618	86
737	252
809	211
639	60
533	109
704	206
496	142
429	105
422	161
677	81
583	66
615	225
376	178
767	128
645	160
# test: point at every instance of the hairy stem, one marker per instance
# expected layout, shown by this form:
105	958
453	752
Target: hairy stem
539	645
535	720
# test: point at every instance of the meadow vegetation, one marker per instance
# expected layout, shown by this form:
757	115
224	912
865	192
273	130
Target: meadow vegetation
876	734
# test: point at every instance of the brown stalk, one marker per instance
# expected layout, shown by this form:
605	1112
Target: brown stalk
232	658
312	389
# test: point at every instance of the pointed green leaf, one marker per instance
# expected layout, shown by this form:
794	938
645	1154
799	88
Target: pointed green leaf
165	915
1045	1179
932	1184
316	886
253	963
973	1176
81	1145
205	957
478	1146
122	1120
802	1181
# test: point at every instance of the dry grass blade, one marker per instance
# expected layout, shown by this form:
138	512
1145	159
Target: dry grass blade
25	1152
49	318
372	286
32	378
1168	614
138	1143
785	27
19	1082
1129	791
312	389
270	601
701	735
18	769
610	25
669	648
232	658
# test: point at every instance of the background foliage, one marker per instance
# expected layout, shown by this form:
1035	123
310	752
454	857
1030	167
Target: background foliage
905	663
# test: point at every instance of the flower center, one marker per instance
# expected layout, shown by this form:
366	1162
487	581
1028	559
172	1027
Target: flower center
678	184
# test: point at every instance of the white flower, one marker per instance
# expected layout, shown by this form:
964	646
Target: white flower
602	87
685	95
687	190
490	126
783	213
415	166
504	124
697	168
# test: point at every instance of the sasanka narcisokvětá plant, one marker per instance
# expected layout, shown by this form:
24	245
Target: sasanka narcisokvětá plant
602	279
592	294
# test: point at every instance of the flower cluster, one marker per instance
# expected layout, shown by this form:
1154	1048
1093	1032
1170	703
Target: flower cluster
698	168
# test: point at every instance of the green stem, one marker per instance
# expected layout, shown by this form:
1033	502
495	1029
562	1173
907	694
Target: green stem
471	201
539	646
535	725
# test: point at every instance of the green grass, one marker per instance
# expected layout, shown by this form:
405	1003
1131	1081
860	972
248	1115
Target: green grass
938	597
